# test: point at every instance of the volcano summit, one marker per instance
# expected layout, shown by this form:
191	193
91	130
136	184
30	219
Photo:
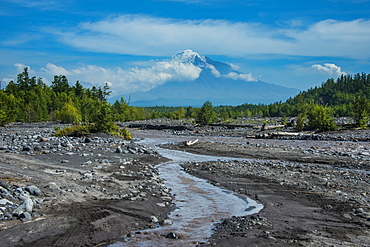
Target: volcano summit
211	80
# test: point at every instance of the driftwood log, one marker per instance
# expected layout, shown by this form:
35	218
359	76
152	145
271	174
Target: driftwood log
189	143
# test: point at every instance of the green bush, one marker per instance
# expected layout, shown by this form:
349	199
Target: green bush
361	111
75	130
320	118
205	114
68	114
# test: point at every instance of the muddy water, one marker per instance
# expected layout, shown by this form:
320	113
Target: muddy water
198	204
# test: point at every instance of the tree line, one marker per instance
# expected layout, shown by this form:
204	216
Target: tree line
29	99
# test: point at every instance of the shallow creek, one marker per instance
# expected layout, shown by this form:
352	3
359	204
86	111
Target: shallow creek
198	204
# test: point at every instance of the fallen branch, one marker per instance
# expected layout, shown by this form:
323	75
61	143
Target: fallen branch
189	143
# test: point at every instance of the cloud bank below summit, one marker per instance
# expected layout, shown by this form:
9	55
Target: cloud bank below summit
155	36
143	79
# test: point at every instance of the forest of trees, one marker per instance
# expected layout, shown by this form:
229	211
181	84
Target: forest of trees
29	99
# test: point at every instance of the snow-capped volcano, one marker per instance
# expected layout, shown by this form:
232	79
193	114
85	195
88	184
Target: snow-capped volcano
215	81
189	56
203	62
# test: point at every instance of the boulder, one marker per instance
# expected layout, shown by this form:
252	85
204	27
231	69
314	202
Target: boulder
26	216
33	190
26	206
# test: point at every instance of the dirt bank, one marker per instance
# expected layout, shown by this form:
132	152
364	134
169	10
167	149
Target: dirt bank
94	190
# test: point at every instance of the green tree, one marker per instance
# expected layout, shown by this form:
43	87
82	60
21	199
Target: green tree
60	84
179	114
361	111
103	118
303	109
206	114
320	118
121	110
68	113
224	114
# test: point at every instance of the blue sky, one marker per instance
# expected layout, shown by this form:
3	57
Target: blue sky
129	44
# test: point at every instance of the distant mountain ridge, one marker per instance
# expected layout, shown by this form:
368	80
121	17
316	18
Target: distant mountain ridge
218	82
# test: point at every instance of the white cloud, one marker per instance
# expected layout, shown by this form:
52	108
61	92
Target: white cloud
125	81
55	70
329	68
245	77
145	35
20	67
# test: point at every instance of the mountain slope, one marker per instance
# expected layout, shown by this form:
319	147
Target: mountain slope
217	82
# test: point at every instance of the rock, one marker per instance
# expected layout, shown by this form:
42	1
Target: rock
33	190
4	202
167	222
26	206
52	186
87	140
359	210
154	219
67	144
22	195
26	148
43	139
4	184
172	235
4	147
26	216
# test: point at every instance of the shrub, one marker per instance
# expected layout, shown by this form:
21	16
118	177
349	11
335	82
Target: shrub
205	114
320	118
68	114
361	111
75	130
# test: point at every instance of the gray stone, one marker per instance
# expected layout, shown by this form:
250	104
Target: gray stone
154	219
43	139
172	235
4	202
87	140
167	222
33	190
3	147
104	161
4	184
26	148
359	210
26	206
26	216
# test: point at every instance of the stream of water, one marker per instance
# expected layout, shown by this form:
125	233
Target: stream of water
199	204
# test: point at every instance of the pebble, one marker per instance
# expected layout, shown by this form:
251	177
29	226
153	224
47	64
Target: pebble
172	235
153	219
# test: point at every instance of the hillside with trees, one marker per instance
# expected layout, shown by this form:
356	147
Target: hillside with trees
29	99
